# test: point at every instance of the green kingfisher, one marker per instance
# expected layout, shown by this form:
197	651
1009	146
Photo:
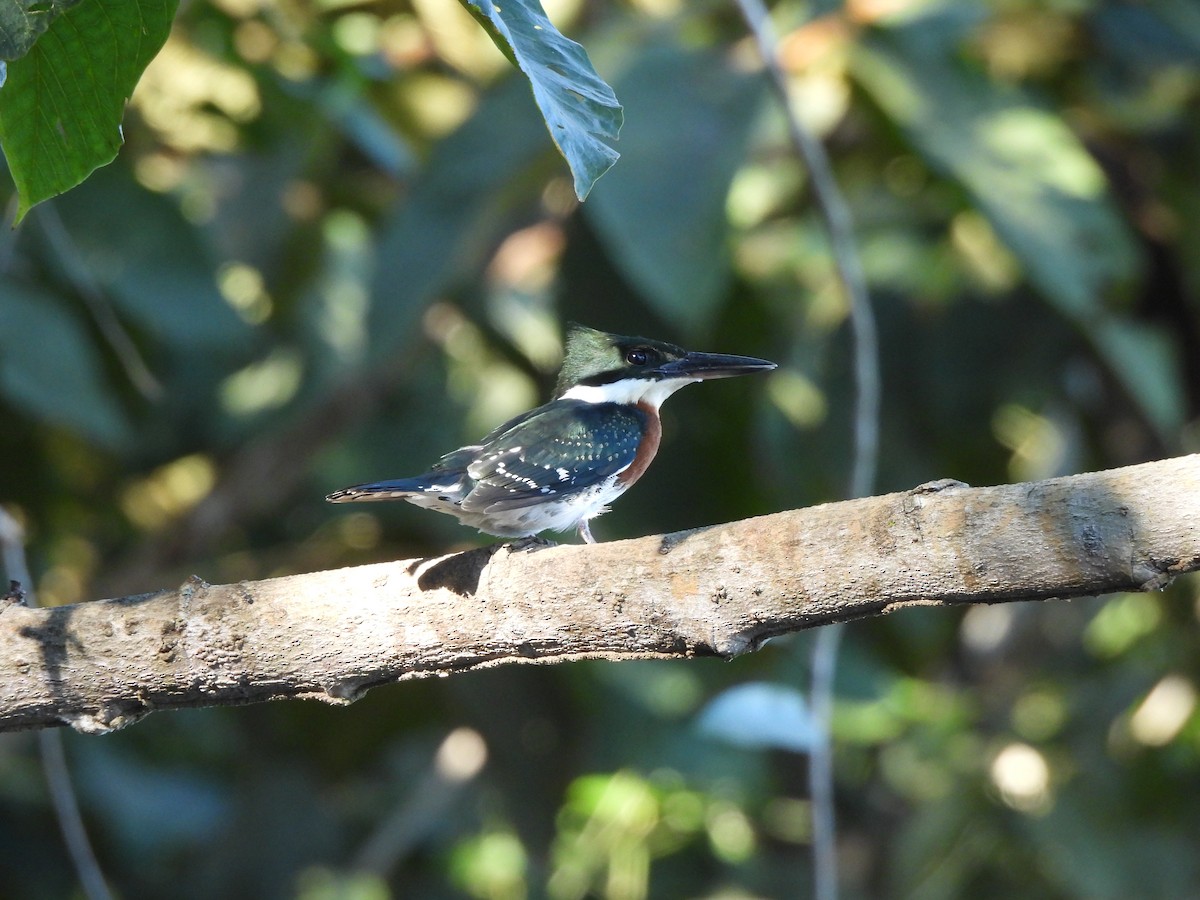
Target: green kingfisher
559	466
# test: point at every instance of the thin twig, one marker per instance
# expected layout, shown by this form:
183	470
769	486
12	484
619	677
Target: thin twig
838	222
50	740
820	762
458	760
835	212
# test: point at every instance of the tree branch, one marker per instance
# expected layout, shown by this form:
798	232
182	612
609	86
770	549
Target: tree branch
720	590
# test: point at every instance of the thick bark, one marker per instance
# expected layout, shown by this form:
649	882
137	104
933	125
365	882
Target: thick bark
719	591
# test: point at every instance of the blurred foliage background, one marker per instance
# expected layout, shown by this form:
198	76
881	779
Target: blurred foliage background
338	243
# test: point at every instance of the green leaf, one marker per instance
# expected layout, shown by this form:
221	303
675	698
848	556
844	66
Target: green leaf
156	267
49	367
1042	192
761	716
22	22
61	108
455	210
662	213
580	110
1146	362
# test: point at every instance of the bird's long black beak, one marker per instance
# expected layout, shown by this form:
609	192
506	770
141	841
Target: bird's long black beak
702	366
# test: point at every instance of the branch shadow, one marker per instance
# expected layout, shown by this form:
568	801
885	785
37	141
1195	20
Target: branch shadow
460	573
56	641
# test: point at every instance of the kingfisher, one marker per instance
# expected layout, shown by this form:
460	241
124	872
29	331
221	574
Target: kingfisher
558	466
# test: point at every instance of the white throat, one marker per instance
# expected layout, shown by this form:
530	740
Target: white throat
628	391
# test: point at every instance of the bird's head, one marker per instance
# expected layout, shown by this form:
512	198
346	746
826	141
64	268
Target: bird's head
609	368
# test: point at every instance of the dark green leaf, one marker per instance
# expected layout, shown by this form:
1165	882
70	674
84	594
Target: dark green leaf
1145	361
49	367
155	267
60	111
580	110
442	228
662	213
1076	840
362	123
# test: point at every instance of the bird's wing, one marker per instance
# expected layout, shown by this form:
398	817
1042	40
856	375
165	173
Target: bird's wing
559	449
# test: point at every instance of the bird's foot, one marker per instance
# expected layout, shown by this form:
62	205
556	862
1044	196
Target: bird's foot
530	543
585	532
942	484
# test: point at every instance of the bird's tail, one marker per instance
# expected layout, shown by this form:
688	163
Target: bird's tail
398	489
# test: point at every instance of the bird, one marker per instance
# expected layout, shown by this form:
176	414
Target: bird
560	465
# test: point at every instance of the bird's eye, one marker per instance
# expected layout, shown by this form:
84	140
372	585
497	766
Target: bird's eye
637	357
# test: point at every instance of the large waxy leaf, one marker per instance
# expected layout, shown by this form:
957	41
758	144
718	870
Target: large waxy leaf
49	367
61	106
455	208
662	213
155	267
1042	192
23	21
580	110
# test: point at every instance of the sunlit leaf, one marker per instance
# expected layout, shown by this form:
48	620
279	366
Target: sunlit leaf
1038	186
1040	189
61	108
23	21
762	716
581	111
